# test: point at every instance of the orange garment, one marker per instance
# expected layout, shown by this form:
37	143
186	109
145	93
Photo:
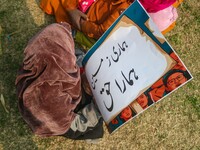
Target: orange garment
177	3
58	8
101	14
169	28
51	6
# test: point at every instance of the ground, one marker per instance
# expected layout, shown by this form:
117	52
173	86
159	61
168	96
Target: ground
173	123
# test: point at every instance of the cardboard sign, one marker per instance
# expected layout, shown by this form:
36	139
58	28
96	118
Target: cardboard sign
126	63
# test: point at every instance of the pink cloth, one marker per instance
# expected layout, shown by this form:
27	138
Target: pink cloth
164	18
48	84
85	4
153	6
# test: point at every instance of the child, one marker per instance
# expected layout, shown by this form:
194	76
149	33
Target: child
100	15
49	88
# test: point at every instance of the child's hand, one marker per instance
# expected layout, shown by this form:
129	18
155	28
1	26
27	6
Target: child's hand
75	16
82	22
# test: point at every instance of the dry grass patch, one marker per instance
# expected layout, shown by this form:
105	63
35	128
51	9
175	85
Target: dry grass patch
173	123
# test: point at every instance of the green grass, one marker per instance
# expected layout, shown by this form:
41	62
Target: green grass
173	123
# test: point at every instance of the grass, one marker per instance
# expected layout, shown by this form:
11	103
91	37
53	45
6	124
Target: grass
173	123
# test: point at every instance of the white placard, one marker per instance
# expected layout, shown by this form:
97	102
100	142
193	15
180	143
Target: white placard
126	63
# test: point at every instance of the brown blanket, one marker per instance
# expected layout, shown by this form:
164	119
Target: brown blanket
48	83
